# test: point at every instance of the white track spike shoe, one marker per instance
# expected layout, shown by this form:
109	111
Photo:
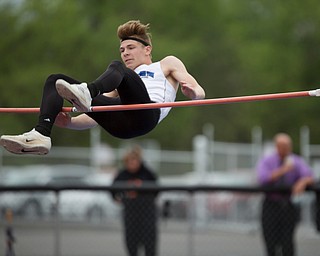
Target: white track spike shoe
31	142
77	94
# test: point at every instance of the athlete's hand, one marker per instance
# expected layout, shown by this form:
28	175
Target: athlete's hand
189	91
63	120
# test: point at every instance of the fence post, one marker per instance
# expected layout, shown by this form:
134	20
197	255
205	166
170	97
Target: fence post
305	143
208	132
256	144
201	147
57	221
192	222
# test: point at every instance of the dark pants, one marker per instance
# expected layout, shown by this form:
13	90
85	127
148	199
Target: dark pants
121	124
279	218
140	223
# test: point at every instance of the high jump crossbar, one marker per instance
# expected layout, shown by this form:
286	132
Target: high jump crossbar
216	101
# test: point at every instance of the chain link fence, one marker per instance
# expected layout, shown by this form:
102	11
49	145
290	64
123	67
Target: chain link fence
183	220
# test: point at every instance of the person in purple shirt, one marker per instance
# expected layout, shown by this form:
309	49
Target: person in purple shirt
279	214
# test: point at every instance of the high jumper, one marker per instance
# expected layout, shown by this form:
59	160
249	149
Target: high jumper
135	80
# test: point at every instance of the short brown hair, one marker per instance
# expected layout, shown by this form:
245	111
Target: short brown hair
134	28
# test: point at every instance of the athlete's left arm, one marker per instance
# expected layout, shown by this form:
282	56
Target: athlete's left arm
80	122
173	67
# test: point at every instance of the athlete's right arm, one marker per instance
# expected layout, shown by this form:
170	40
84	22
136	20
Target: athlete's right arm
174	68
80	122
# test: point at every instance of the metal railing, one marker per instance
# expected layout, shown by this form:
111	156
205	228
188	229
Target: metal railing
194	223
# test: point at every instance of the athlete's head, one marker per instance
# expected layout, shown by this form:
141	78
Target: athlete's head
136	30
135	43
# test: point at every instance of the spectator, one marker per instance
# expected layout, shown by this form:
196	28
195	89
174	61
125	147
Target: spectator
139	209
279	213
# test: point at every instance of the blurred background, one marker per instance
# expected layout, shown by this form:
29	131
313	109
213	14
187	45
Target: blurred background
232	48
59	220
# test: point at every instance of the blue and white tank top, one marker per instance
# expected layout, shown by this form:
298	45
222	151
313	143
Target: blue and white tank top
159	88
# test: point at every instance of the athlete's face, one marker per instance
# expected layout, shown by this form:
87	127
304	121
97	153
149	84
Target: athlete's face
134	54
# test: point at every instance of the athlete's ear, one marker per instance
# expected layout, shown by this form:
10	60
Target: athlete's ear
148	49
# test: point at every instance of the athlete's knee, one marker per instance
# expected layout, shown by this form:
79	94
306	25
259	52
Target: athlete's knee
51	79
118	65
50	83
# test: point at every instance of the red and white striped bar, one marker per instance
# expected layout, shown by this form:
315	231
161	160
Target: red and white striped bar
187	103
